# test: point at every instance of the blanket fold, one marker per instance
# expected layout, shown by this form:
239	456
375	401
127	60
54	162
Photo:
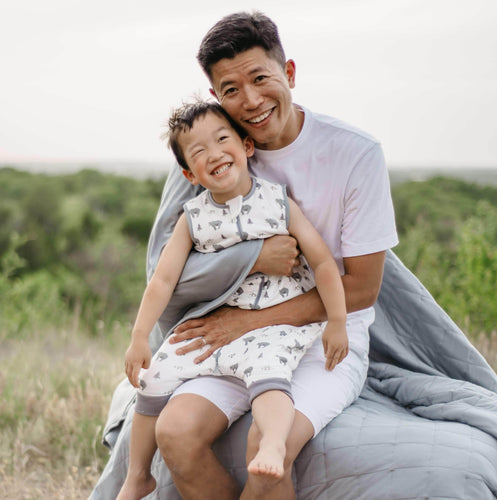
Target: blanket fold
424	425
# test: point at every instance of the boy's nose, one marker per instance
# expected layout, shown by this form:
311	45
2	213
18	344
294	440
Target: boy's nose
215	154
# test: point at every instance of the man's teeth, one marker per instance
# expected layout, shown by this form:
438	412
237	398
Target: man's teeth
222	169
259	118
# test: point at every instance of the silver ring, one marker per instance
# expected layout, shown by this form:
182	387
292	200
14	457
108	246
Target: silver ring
203	340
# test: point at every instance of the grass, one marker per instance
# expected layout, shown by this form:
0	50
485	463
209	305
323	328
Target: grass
56	388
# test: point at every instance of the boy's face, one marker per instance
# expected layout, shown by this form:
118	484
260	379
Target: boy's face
255	91
217	157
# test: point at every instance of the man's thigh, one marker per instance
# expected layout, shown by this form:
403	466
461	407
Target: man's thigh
229	394
321	395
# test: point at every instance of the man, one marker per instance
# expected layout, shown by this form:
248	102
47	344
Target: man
338	177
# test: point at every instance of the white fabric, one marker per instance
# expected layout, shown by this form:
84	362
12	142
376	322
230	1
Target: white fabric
318	394
262	213
269	352
337	175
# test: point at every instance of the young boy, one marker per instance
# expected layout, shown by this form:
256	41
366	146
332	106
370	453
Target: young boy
213	152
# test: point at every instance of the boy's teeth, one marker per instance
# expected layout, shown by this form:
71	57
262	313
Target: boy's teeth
260	117
222	169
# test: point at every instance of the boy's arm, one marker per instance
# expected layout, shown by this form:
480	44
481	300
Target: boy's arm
156	297
328	284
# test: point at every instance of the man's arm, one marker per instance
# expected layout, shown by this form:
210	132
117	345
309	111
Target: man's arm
362	282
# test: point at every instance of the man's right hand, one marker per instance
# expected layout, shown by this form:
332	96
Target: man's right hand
278	257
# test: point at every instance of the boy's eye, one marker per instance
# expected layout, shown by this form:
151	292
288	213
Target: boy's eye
196	152
223	138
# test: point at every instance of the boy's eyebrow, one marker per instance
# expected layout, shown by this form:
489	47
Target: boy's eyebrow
197	143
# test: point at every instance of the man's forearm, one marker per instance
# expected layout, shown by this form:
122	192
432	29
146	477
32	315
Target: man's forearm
302	310
308	307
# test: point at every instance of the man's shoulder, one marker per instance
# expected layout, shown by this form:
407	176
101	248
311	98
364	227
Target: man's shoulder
338	129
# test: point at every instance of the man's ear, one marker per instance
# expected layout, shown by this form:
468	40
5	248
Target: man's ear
213	93
248	142
290	71
190	176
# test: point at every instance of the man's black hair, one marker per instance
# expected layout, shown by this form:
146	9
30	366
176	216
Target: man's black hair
237	33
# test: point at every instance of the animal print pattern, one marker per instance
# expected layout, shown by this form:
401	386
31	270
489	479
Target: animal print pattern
260	214
269	352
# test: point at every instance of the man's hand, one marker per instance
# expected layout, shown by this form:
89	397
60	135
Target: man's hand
216	329
279	255
335	344
137	357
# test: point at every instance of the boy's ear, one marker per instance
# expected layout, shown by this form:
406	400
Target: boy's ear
248	143
190	176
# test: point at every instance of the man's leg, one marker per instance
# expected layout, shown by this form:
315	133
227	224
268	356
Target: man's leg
264	488
185	431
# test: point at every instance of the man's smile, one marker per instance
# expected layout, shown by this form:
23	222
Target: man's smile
261	117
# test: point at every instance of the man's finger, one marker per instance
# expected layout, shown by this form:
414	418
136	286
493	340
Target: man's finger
205	355
188	325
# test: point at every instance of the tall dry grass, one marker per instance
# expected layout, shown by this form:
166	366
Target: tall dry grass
55	390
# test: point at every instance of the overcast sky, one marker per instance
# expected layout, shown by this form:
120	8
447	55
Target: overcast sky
94	80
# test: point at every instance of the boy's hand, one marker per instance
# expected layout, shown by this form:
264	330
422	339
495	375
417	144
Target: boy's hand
335	343
137	357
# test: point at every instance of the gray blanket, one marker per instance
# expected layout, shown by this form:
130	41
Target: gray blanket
425	425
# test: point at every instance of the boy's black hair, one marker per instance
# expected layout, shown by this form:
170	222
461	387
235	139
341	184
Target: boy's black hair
183	118
237	33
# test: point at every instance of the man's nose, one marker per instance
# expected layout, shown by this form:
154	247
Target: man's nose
251	97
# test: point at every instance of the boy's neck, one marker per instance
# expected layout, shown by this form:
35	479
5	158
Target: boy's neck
223	198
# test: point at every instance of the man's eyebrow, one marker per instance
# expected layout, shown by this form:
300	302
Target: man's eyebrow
257	69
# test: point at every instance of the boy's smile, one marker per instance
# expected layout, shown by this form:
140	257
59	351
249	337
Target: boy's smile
255	91
217	157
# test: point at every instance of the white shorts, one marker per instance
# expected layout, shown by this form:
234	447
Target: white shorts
318	394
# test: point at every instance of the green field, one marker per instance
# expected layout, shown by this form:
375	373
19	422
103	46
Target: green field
72	253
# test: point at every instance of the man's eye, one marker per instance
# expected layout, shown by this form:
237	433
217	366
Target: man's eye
228	91
260	78
223	138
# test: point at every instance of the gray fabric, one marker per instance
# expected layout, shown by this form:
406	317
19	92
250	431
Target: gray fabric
425	425
270	384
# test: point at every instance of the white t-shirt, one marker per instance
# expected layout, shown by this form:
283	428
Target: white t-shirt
337	175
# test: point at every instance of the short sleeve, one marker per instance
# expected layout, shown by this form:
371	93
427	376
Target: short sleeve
369	222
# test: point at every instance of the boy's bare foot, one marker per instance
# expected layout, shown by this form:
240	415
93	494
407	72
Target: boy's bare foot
135	489
268	462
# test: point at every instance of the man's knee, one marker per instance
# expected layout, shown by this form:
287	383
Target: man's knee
184	432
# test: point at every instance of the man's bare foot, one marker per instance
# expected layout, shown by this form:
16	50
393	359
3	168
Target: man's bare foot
135	489
268	462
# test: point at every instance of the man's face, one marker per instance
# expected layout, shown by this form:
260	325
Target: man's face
255	90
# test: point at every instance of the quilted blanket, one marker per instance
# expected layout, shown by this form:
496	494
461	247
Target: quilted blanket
425	425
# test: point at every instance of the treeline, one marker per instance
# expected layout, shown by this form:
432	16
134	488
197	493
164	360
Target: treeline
72	247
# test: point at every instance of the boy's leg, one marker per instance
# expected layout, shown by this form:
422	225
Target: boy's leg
139	481
273	414
267	488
